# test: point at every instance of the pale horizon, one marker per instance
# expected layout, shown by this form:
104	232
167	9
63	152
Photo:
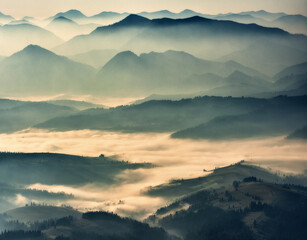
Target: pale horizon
37	9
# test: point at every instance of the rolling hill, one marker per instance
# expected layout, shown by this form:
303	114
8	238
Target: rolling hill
40	213
280	117
61	169
250	209
221	178
173	115
18	115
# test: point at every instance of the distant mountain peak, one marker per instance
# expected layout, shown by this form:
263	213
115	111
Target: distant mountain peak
2	15
33	50
106	14
73	13
134	19
238	75
187	11
125	54
32	47
63	19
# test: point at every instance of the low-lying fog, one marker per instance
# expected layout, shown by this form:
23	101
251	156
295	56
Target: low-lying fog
174	159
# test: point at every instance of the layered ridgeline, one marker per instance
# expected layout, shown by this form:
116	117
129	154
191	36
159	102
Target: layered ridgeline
37	71
197	35
281	116
239	201
171	72
201	117
291	23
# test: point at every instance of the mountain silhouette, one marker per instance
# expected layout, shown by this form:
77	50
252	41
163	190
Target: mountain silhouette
5	18
280	117
164	73
38	70
17	36
71	14
62	19
140	34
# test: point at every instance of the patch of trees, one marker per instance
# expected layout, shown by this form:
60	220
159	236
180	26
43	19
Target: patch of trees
20	234
209	222
251	179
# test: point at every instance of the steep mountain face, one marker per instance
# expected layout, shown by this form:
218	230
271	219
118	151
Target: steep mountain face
14	37
169	72
212	37
37	70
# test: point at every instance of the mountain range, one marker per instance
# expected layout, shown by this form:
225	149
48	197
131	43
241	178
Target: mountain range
215	118
140	33
170	72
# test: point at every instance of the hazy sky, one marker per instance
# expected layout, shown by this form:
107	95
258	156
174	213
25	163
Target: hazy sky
44	8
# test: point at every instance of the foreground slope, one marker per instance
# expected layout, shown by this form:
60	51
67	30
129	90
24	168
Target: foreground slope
220	178
253	210
91	225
